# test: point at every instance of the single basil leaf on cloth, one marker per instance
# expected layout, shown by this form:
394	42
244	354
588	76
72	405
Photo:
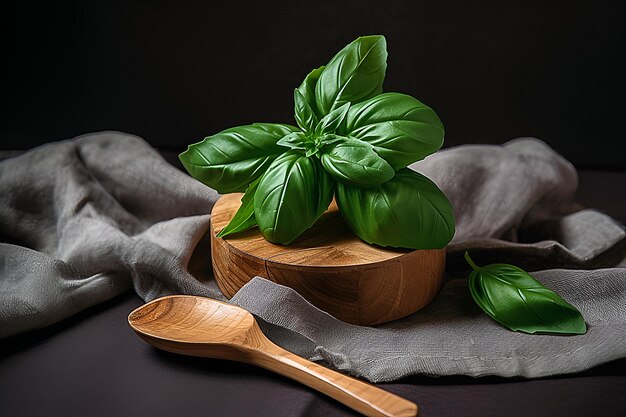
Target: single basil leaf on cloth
408	211
332	120
292	195
519	302
244	217
354	74
295	140
307	89
305	116
401	128
230	160
354	162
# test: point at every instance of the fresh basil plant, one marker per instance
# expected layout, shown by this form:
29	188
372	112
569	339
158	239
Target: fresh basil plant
352	142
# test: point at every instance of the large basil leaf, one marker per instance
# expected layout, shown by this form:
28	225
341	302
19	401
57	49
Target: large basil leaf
304	113
408	211
244	217
355	163
292	195
355	74
230	160
307	90
332	120
401	128
519	302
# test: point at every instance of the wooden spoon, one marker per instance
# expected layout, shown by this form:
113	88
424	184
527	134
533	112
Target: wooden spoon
199	326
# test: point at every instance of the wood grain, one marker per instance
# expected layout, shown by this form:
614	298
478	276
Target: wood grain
329	266
199	326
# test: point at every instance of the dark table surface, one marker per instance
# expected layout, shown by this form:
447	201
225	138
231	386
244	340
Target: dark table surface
92	364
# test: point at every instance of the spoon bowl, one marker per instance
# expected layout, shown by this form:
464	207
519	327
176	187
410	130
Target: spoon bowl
200	326
178	318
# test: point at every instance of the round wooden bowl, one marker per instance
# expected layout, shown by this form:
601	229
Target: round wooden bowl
329	266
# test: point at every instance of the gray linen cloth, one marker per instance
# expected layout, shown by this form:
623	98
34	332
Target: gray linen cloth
86	219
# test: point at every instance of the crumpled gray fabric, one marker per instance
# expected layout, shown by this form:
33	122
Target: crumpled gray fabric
84	220
451	336
88	218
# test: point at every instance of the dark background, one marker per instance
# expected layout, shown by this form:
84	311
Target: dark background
174	72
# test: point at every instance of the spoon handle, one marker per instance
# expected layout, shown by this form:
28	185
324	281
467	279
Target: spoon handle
358	395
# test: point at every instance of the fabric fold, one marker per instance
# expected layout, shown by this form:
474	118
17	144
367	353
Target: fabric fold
89	218
452	336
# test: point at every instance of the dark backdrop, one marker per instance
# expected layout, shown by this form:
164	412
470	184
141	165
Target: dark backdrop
174	72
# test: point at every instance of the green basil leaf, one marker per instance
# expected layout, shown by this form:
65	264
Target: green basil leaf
330	139
355	74
332	120
292	195
244	217
230	160
304	114
307	89
516	300
311	151
401	128
295	140
408	211
298	140
355	163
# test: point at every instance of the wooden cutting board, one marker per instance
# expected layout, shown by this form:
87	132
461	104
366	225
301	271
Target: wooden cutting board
329	266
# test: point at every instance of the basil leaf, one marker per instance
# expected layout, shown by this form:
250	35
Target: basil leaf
355	74
295	140
307	89
311	151
244	217
401	128
298	140
408	211
292	195
304	114
230	160
330	139
355	163
516	300
332	120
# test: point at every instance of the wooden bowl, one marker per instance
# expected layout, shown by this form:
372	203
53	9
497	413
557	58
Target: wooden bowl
329	266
